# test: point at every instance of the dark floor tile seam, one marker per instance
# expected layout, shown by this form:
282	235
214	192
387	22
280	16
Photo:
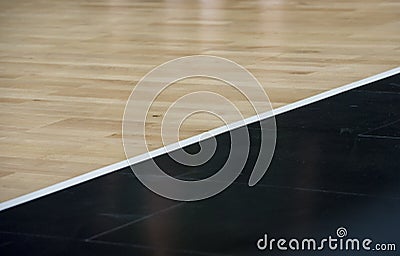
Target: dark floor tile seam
376	92
120	215
184	175
132	175
380	127
95	236
35	235
192	252
314	190
378	137
51	237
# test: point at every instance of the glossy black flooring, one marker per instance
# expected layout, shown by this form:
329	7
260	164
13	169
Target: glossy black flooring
336	165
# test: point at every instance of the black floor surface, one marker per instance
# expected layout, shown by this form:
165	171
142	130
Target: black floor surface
336	164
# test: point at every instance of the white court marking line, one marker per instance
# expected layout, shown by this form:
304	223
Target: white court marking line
140	158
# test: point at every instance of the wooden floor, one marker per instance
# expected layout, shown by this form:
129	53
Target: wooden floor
68	67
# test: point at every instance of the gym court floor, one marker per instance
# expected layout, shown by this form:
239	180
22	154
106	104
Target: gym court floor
331	72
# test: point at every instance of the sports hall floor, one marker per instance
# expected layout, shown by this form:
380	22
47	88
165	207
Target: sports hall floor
331	70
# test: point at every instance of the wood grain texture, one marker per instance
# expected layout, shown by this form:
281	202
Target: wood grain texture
67	68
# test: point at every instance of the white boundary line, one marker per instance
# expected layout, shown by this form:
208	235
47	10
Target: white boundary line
114	167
